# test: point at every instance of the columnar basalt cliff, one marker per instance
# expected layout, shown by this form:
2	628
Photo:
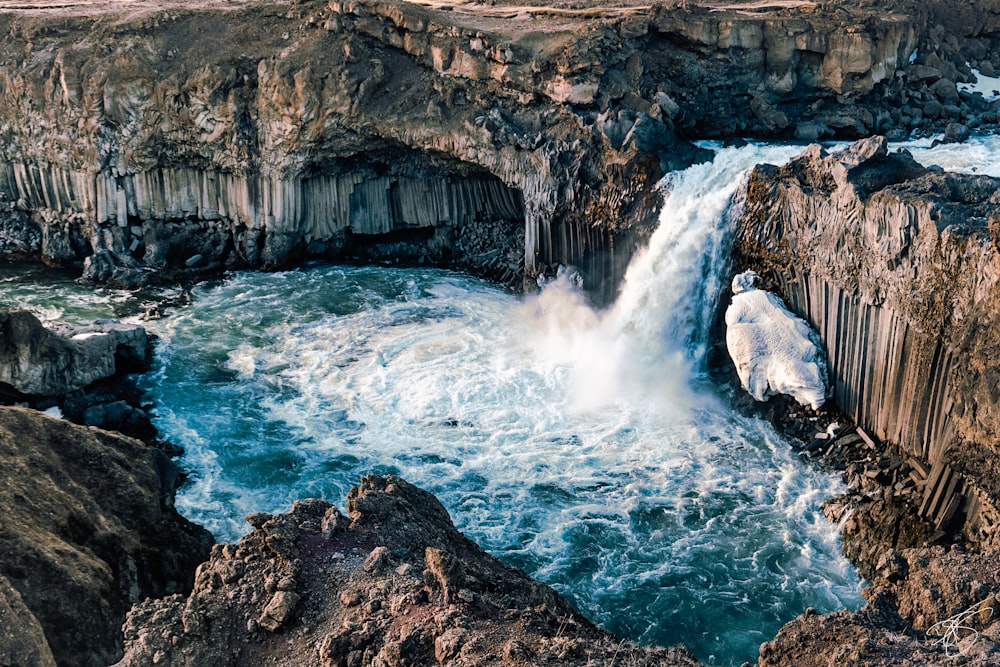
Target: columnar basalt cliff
898	267
153	144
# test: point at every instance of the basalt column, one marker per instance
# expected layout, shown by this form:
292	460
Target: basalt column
898	268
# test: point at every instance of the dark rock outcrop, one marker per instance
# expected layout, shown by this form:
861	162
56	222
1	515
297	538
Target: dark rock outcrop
86	532
35	361
391	583
81	371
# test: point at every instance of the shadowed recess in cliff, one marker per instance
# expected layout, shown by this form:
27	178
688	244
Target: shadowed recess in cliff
187	217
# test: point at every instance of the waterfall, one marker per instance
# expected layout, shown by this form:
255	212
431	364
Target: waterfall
653	339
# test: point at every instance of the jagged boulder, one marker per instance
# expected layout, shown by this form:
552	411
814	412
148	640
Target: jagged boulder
35	361
392	583
86	532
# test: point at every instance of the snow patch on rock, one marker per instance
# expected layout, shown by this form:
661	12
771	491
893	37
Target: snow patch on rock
775	352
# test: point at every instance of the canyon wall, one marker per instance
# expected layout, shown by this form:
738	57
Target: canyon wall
156	144
898	267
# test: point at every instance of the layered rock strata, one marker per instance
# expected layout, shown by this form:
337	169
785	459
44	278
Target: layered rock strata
392	583
504	138
898	268
87	530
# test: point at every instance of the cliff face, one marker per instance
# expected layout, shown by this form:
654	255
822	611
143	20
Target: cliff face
85	533
341	129
161	143
899	269
393	583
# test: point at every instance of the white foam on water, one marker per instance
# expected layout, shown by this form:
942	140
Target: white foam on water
987	86
581	445
977	155
572	442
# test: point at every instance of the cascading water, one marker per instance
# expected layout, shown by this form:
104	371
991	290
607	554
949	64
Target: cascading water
583	446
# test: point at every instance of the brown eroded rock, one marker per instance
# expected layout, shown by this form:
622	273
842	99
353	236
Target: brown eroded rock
393	583
84	534
925	607
22	641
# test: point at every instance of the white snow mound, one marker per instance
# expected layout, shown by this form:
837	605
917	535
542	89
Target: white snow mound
775	352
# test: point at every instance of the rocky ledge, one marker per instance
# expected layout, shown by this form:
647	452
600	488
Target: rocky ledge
392	583
88	529
78	370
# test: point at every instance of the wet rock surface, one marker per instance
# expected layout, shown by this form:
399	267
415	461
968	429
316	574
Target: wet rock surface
86	532
77	372
391	583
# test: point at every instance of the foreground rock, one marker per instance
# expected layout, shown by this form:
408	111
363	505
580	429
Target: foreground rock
86	532
393	583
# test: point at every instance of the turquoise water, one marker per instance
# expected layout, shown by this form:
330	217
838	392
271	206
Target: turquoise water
664	516
584	446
